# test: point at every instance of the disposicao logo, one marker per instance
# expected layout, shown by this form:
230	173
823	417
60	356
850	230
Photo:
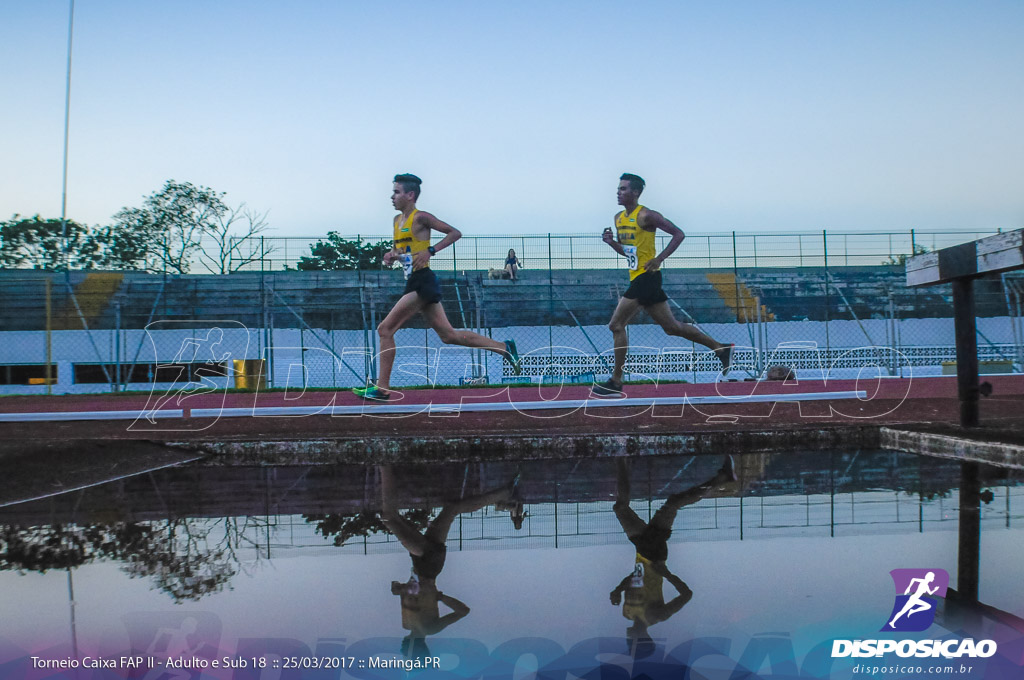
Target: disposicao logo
914	609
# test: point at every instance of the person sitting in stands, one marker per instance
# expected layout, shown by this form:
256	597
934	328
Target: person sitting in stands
512	265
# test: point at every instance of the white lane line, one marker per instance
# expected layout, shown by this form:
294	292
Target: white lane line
100	483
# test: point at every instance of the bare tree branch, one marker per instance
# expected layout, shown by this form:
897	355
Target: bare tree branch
229	243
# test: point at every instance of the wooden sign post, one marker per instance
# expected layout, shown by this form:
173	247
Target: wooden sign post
960	265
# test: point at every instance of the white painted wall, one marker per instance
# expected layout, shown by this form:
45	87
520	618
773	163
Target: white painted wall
422	358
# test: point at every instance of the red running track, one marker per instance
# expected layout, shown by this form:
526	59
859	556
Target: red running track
919	400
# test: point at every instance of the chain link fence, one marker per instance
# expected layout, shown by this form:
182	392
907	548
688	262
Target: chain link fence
575	251
824	305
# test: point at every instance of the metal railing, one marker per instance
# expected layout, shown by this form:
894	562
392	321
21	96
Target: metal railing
699	251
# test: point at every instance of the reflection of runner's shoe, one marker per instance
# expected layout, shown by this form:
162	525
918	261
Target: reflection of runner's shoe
516	511
609	388
728	469
514	484
514	503
371	393
724	355
512	356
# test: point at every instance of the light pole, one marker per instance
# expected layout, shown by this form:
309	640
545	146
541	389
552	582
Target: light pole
67	118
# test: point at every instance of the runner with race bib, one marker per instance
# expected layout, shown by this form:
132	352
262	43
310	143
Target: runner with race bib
633	238
422	294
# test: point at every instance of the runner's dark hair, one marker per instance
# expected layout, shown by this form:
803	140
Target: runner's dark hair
636	182
410	182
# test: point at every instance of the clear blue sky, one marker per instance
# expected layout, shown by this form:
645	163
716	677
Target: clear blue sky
763	116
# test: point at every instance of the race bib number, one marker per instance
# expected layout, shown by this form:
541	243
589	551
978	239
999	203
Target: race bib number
407	264
637	579
631	260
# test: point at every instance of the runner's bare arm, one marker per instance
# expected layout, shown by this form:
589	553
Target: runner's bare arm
675	604
653	220
427	223
456	605
391	255
609	237
459	610
616	595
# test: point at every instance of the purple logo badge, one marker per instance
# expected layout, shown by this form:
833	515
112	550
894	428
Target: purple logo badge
914	609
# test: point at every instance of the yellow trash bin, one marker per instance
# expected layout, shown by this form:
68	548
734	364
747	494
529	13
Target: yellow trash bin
250	374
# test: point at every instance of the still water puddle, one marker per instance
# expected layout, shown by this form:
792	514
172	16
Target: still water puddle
717	564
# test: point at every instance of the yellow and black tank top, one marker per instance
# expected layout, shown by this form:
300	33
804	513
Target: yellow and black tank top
637	242
645	588
406	242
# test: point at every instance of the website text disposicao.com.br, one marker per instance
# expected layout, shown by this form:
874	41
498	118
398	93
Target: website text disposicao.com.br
959	657
904	670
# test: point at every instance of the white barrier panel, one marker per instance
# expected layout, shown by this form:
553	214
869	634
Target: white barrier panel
553	405
87	415
270	411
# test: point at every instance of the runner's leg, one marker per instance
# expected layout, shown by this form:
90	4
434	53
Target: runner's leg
438	320
630	522
438	529
663	316
406	533
624	312
404	309
665	517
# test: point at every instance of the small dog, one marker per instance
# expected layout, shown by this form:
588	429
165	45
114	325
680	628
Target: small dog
495	274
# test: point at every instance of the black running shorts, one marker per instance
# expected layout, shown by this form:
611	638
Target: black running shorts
653	543
431	562
424	283
646	289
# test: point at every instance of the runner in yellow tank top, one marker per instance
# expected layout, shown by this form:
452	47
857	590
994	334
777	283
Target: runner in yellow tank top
419	595
422	292
635	228
408	242
637	243
645	604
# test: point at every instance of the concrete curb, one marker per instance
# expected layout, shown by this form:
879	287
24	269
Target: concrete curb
525	447
956	448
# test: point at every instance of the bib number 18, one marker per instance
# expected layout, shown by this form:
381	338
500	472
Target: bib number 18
631	260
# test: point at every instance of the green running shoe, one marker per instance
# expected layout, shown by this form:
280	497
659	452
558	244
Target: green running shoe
513	357
371	393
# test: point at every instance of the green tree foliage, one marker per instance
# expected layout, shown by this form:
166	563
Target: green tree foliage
185	558
901	259
37	243
176	227
337	253
340	528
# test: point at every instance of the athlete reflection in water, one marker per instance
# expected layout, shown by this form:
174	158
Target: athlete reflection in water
644	603
420	598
